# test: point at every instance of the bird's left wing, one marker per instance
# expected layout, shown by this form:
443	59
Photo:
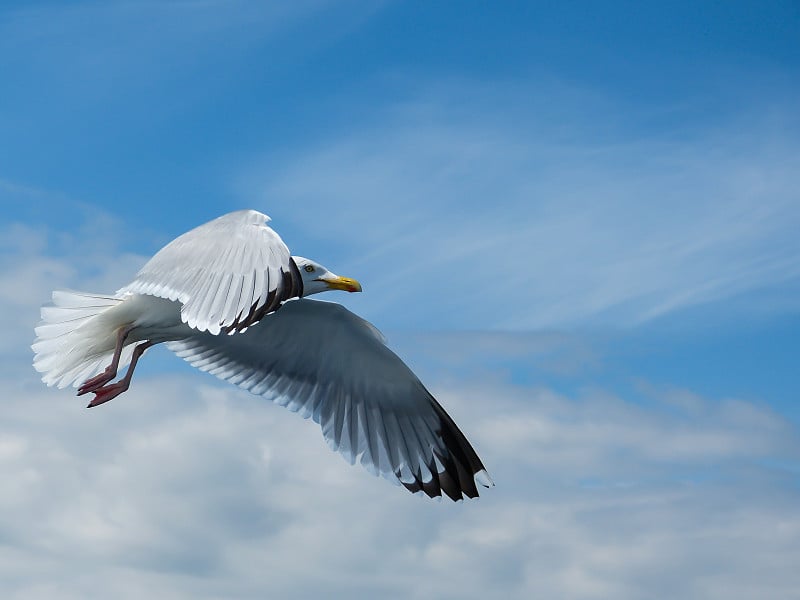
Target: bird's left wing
322	361
227	274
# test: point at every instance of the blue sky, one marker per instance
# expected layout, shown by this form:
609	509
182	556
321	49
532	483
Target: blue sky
576	221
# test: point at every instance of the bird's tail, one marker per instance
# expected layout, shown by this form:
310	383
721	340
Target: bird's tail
73	340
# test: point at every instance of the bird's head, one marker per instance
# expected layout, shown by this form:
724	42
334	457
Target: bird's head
317	278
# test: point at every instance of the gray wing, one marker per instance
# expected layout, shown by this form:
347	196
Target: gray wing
322	361
227	273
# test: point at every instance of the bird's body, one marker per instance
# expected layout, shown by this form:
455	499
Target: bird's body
212	295
72	356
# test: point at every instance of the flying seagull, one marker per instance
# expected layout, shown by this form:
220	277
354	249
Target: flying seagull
229	298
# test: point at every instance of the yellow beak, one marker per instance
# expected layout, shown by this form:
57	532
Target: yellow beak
343	283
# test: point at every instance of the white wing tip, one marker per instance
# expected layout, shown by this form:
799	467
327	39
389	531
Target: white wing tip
483	478
252	215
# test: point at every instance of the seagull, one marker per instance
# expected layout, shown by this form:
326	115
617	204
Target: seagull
230	299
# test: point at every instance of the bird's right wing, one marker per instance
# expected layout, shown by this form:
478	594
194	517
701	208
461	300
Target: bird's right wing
322	361
227	274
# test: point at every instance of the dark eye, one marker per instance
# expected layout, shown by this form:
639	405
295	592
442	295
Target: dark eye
309	269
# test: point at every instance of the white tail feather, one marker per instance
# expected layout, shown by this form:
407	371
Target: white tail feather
72	344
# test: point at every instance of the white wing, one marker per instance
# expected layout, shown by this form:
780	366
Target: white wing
227	274
321	360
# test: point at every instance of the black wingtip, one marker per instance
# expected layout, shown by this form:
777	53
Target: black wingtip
461	466
451	479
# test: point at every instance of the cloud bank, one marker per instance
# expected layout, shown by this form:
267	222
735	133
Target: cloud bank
188	488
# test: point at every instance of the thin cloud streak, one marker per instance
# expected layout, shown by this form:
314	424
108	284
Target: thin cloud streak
588	225
96	35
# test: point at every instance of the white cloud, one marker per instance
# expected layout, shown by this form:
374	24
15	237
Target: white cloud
591	217
202	491
36	260
601	436
185	488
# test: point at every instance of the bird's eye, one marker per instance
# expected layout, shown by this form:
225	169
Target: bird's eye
309	269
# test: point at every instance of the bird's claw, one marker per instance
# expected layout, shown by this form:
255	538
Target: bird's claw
96	382
106	393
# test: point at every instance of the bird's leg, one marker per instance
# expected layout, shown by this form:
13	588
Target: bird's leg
112	390
110	371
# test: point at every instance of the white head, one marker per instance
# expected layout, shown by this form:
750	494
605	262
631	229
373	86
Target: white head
317	278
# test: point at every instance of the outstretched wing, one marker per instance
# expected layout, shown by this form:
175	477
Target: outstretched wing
227	273
322	361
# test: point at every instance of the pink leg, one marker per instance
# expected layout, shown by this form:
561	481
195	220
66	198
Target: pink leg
109	392
110	371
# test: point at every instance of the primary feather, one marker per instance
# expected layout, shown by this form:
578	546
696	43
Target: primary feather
326	363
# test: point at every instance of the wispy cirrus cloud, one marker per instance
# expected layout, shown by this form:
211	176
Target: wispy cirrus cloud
143	39
591	220
83	72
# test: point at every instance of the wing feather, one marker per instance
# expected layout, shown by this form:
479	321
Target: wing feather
324	362
227	273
